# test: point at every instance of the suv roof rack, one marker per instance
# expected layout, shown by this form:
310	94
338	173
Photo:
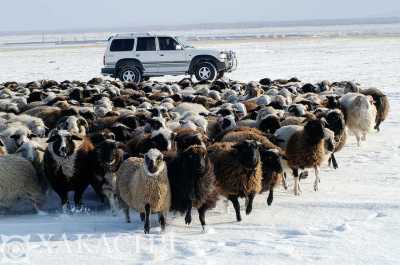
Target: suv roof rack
134	34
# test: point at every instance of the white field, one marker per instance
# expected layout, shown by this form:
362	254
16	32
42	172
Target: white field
353	219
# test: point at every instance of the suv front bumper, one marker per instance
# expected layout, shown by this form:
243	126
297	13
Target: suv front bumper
230	63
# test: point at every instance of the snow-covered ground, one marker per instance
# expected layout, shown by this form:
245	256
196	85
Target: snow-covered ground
353	219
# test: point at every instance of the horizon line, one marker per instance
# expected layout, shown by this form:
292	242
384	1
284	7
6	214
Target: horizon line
218	25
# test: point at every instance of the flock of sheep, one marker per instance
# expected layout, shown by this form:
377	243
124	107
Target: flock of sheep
161	147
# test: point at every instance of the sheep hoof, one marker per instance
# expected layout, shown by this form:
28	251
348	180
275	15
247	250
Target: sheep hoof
315	186
146	229
188	220
248	210
269	201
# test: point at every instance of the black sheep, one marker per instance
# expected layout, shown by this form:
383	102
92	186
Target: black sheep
192	180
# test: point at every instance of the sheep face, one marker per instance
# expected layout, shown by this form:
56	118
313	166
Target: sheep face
162	139
271	160
63	143
315	131
21	136
185	141
107	154
76	125
153	162
227	123
270	124
195	158
336	123
297	110
248	153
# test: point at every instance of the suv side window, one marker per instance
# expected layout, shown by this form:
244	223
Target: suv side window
167	43
121	45
146	44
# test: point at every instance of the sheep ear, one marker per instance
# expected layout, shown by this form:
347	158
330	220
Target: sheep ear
1	143
76	137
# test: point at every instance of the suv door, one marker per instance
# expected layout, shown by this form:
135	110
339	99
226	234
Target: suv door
146	53
119	49
172	56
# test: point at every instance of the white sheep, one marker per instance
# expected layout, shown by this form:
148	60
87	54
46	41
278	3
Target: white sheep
18	180
142	184
15	135
360	114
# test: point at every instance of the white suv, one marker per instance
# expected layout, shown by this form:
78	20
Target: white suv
137	57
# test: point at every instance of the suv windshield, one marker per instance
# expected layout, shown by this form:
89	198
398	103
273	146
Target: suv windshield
184	43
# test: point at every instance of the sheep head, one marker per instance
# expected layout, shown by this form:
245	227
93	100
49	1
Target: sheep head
314	130
153	162
248	153
62	143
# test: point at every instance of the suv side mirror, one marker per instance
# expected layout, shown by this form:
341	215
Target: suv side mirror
178	47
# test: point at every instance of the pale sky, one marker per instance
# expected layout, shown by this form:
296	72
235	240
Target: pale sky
28	15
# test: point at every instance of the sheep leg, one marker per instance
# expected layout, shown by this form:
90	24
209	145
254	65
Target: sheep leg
161	219
126	212
334	162
147	219
284	182
142	217
78	198
202	216
270	196
317	180
297	190
249	206
364	136
188	217
236	205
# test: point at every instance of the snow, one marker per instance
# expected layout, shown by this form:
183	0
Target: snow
354	218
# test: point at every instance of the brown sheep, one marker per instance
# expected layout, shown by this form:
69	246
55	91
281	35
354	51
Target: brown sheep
238	170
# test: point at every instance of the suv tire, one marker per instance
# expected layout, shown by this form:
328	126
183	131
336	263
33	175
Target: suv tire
205	71
129	73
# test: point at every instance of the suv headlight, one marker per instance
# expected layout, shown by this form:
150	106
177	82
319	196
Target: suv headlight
223	56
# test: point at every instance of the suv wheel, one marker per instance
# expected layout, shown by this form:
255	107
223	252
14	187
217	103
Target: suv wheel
205	71
130	74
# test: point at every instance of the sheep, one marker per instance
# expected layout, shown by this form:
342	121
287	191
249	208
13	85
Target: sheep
35	124
360	114
50	115
142	184
15	135
186	137
160	139
241	180
105	160
193	107
73	124
336	123
271	156
66	165
192	180
381	103
18	180
306	149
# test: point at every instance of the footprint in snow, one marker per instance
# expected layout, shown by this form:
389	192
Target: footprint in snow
343	227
